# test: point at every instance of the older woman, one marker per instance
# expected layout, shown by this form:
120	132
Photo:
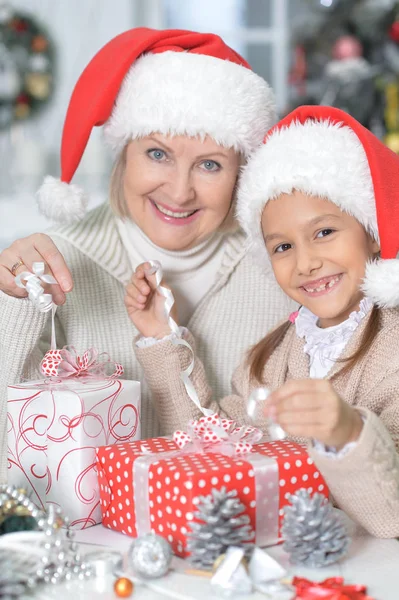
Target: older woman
183	111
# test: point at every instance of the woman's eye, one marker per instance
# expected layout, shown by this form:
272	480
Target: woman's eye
210	165
156	154
325	232
282	248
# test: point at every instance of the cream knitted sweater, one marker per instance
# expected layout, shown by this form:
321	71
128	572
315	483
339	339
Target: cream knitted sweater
365	481
242	305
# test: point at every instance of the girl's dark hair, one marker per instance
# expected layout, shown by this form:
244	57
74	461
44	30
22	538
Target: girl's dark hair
262	351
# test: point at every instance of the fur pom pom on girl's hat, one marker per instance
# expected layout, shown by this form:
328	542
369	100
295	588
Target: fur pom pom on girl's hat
173	82
325	152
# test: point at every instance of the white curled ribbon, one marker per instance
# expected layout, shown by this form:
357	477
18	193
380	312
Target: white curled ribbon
32	283
156	269
258	396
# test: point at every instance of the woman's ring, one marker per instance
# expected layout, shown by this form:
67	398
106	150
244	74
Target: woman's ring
16	266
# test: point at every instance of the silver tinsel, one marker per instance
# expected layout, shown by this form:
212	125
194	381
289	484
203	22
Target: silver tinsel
219	523
313	532
57	556
150	556
17	573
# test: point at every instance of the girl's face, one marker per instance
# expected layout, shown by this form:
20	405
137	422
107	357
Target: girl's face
179	190
318	254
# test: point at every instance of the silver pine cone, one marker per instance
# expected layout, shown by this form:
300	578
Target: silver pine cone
313	532
219	523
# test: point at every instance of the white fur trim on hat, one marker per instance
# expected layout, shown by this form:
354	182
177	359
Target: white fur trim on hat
182	93
381	283
318	158
61	202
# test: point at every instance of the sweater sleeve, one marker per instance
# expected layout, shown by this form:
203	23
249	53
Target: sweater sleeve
162	364
24	338
365	481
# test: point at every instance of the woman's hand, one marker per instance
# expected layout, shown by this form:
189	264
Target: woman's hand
146	305
34	248
310	408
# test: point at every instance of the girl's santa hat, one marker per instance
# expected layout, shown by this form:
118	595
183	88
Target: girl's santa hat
172	82
323	151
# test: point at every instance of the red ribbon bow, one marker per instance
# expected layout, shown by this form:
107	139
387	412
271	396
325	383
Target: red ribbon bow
329	589
214	434
67	363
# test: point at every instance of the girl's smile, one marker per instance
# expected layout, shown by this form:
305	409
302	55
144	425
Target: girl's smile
318	254
324	285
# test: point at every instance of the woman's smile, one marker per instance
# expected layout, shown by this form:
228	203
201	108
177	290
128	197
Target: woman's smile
173	216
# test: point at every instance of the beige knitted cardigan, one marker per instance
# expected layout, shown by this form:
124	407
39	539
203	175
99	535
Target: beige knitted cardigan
242	305
365	481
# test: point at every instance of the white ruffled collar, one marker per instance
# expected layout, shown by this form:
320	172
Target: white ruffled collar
306	326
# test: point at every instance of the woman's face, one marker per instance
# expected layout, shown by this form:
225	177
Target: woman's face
178	190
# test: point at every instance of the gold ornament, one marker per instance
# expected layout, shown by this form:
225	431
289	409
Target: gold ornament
392	106
38	85
123	587
39	43
21	511
9	505
22	110
392	141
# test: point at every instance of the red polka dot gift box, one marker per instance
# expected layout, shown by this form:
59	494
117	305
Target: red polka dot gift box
156	484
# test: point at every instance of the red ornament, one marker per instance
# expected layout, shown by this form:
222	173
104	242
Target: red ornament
329	589
22	99
19	25
298	69
347	46
394	31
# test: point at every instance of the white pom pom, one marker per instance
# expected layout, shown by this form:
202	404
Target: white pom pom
61	202
381	283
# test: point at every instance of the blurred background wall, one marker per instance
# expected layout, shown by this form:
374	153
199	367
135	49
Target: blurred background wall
341	52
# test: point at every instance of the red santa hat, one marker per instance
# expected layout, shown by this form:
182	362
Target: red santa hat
325	152
172	82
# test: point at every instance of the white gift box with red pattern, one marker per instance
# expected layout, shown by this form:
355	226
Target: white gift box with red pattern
53	430
153	485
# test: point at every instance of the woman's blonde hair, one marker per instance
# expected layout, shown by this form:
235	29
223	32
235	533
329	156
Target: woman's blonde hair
116	194
118	202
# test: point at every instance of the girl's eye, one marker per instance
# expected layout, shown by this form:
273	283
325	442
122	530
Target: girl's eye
325	232
156	153
282	248
210	165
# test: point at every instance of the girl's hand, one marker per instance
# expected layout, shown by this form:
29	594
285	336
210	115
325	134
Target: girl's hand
310	408
146	305
34	248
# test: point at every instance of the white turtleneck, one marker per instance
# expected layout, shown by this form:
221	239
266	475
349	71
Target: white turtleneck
189	273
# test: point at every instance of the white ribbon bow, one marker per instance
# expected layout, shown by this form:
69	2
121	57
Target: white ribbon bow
32	283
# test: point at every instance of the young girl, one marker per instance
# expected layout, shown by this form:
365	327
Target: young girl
319	202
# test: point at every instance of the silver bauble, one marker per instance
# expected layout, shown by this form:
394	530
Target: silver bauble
150	556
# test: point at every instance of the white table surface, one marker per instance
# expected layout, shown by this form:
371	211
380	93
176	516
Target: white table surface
370	561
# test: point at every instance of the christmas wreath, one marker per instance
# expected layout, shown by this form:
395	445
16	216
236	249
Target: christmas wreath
26	66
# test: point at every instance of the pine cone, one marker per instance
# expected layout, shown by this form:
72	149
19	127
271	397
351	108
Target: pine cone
314	534
220	523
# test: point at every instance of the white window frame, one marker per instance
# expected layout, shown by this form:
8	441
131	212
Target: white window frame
151	14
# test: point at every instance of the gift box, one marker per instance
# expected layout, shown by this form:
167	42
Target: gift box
53	429
155	485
